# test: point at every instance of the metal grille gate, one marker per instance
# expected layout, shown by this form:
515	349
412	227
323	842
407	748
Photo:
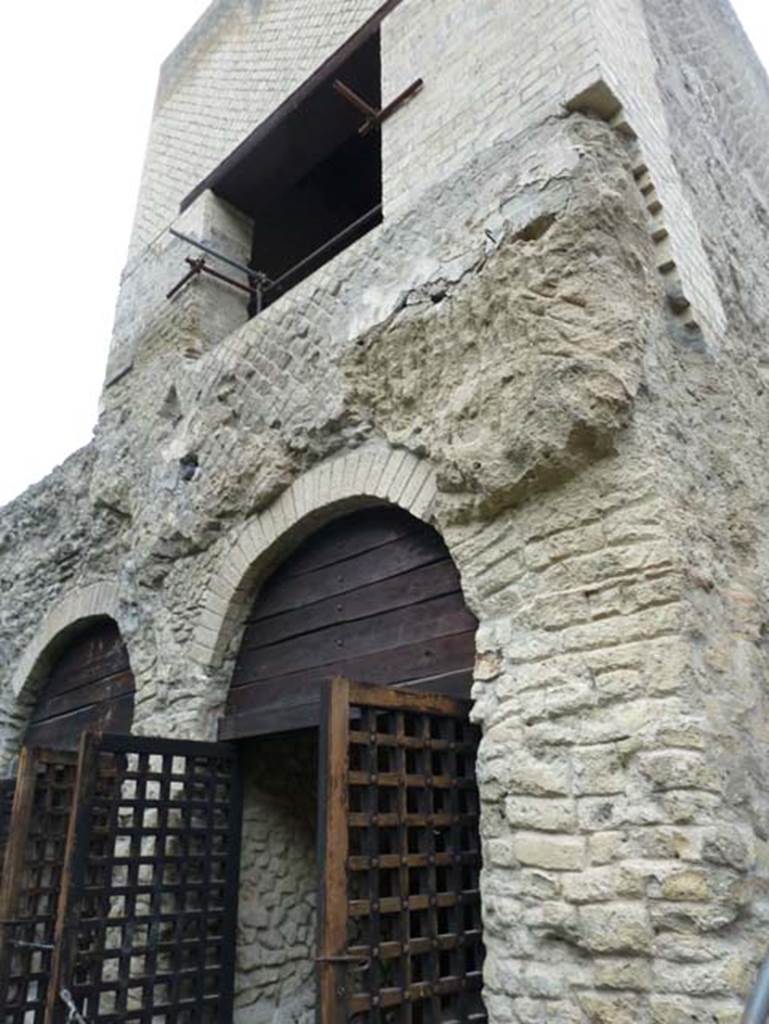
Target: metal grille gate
146	904
31	881
7	789
400	912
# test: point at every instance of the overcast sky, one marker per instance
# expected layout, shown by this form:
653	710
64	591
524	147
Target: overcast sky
77	81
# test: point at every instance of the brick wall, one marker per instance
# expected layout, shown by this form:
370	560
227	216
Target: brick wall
240	63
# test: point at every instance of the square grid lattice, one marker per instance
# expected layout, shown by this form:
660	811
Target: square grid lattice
414	946
31	881
154	885
7	789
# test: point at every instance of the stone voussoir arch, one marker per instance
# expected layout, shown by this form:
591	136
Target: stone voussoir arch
92	601
372	473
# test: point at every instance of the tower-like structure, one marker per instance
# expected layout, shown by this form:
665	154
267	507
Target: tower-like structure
500	268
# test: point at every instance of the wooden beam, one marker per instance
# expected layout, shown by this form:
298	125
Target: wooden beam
333	763
65	935
15	859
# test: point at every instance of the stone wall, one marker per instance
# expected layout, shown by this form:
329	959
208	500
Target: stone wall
503	357
275	980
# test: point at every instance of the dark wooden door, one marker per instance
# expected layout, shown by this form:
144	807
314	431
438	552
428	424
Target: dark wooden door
90	685
373	596
119	889
400	935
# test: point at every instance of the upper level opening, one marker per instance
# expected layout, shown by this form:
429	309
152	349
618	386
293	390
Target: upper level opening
310	176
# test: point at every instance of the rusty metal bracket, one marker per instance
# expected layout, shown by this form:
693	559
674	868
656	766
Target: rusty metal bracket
198	265
375	118
257	281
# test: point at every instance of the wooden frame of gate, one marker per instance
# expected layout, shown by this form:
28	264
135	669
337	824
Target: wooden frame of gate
400	937
120	884
120	881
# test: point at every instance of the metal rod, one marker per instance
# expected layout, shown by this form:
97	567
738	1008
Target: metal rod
322	248
205	269
357	101
199	266
757	1010
383	114
212	252
196	266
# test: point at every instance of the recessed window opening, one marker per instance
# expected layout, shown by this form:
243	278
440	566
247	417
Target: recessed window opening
310	177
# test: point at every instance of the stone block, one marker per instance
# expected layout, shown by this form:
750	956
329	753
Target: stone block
610	1008
539	1011
680	769
599	770
604	847
728	975
548	851
553	919
686	885
549	815
687	948
630	974
616	928
623	881
731	844
685	1010
521	772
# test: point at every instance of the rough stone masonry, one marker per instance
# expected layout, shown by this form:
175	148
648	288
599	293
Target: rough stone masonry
553	349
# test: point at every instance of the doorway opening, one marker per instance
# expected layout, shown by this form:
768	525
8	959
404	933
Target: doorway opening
360	862
360	865
275	966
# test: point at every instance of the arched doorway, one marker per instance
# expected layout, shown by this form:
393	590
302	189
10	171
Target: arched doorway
375	597
89	685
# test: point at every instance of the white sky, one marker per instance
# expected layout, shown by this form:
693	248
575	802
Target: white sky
77	81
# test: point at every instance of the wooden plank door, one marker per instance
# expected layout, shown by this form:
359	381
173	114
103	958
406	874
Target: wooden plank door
400	935
147	918
31	881
373	596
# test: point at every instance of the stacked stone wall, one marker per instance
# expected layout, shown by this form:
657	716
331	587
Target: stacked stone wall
275	979
617	867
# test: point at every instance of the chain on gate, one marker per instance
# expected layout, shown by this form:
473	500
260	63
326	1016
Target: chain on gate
74	1016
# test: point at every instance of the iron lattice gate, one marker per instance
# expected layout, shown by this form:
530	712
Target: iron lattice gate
7	789
400	911
31	880
143	927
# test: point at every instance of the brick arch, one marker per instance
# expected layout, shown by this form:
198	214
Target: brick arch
77	607
371	474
